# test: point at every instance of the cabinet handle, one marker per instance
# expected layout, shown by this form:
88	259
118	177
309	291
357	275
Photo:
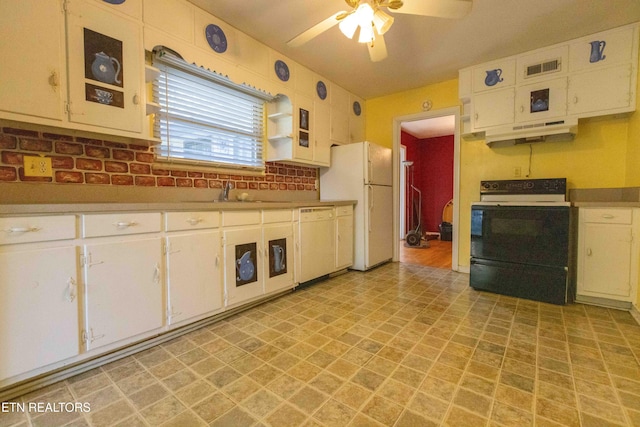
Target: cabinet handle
217	260
125	224
72	289
575	99
522	108
475	116
92	338
22	230
607	216
136	99
156	274
54	80
589	252
194	221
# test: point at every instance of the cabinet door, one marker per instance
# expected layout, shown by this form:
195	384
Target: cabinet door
243	273
123	290
493	108
303	140
193	275
322	124
278	259
344	241
105	62
32	52
339	114
39	309
541	101
606	257
601	91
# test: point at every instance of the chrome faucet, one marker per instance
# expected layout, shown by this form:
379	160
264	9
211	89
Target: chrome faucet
224	195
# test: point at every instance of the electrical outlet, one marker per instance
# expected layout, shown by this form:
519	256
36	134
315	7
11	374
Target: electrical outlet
37	166
517	171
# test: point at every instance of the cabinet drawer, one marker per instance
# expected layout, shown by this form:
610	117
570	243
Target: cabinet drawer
233	218
608	215
28	229
280	215
344	210
191	220
120	224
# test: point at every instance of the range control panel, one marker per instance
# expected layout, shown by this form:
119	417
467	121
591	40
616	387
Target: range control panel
524	186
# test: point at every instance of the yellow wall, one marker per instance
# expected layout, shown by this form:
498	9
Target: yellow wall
605	153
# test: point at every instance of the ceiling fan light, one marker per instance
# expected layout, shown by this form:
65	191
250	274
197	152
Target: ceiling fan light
367	34
349	25
382	21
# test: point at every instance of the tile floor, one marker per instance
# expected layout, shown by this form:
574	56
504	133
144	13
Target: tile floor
402	345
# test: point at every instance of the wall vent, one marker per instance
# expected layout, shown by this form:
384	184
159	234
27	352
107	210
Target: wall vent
543	68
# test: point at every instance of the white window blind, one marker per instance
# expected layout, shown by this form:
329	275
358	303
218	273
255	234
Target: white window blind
204	118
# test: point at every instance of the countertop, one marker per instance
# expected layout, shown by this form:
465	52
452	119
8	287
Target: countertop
23	198
57	208
622	197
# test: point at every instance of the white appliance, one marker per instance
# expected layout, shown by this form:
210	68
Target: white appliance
363	172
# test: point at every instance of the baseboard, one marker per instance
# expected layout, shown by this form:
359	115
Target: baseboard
604	302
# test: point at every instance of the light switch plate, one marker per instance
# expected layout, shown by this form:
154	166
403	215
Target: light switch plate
37	166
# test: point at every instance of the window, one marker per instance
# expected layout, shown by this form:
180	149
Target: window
205	118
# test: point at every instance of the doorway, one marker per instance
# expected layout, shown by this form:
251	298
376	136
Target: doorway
441	128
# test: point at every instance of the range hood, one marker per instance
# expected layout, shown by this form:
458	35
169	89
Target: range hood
552	131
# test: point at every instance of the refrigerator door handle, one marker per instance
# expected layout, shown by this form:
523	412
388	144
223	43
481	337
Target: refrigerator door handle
370	190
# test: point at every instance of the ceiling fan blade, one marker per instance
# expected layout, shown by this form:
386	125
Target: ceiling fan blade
377	49
437	8
316	30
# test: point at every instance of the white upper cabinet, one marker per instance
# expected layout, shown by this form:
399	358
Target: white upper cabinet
590	76
494	75
340	111
32	77
106	68
174	17
85	72
602	49
493	108
603	73
546	99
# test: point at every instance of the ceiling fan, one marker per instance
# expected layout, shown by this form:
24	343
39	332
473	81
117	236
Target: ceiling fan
373	21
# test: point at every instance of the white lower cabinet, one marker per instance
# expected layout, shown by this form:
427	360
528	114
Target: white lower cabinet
193	275
279	252
608	255
39	322
39	308
193	265
123	287
243	263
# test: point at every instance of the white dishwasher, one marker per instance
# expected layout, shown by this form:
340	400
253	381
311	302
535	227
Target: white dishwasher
317	243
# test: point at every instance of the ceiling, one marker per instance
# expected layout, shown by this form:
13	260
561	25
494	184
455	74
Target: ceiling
430	128
422	50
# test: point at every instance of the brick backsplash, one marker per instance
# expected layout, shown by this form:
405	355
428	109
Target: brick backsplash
79	160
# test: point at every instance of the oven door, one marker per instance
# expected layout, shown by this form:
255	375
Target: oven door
527	234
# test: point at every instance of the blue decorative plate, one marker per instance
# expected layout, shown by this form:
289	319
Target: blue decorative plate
216	38
282	70
114	1
321	89
356	108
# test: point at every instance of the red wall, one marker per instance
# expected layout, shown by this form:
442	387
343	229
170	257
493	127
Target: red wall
433	175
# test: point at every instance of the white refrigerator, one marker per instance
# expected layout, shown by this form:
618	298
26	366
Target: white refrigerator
363	172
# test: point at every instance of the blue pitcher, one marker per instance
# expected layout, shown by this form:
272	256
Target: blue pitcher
597	51
278	258
245	267
103	68
493	77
